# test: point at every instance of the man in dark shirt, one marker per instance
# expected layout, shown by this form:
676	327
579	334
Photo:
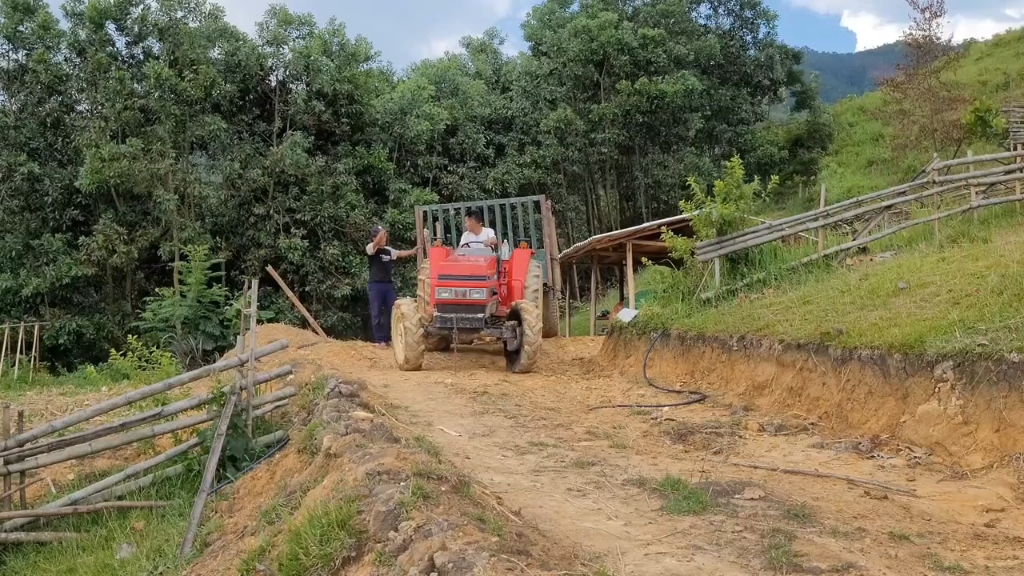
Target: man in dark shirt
381	258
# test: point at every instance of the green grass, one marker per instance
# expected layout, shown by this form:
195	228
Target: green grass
427	446
800	513
682	499
778	550
941	566
898	535
419	493
494	525
154	534
319	542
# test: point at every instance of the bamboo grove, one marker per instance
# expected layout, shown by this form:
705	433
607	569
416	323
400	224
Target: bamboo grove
133	129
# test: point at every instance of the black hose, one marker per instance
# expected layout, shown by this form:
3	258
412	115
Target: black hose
696	396
259	460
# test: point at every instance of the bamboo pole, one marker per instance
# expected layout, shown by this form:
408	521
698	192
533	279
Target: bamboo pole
139	484
146	481
208	475
5	429
77	510
295	302
3	349
821	231
593	297
631	285
912	223
983	158
107	482
21	487
105	444
974	191
250	389
36	537
146	417
771	237
134	396
1017	163
270	408
34	358
21	477
568	313
17	349
798	218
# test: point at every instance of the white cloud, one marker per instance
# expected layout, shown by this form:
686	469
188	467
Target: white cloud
435	47
877	22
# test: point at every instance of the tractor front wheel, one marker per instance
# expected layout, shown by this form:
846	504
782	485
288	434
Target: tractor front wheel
531	325
407	336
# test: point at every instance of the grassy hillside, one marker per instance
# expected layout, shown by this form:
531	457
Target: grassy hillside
959	292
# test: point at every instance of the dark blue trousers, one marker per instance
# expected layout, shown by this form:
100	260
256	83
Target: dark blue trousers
382	298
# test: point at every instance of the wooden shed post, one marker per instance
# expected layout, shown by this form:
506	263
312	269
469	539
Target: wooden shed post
629	276
593	296
421	249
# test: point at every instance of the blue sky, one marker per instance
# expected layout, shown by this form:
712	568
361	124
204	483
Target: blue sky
408	30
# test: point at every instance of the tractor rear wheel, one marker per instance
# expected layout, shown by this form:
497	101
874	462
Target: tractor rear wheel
423	291
550	313
533	289
407	335
531	323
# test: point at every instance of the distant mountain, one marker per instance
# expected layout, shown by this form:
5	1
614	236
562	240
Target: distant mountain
842	75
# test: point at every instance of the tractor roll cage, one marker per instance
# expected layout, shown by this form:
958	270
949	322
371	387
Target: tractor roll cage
526	215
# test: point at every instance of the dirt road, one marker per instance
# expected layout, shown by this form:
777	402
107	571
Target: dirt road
585	477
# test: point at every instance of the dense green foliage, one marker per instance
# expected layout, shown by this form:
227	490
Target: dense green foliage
852	74
137	128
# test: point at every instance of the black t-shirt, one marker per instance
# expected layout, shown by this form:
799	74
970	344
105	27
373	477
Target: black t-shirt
381	260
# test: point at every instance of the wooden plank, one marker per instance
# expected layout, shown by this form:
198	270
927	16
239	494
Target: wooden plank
593	296
295	302
420	249
630	283
208	476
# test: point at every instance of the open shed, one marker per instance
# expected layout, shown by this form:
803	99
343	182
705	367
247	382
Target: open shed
623	249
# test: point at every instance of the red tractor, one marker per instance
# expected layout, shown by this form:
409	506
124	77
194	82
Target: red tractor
470	292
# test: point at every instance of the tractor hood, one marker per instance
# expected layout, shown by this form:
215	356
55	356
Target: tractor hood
465	265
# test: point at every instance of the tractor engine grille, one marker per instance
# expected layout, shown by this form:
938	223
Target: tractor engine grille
461	278
472	309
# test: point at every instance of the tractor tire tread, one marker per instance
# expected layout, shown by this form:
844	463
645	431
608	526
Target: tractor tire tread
408	336
533	326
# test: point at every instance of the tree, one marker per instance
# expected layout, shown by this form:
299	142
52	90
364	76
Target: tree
924	103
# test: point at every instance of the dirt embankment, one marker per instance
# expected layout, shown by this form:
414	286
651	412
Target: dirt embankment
969	413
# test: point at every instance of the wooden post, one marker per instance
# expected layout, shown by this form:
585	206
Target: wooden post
208	475
35	352
5	429
1017	160
974	191
935	203
568	314
420	249
295	302
250	390
3	349
593	297
21	475
821	231
17	348
718	272
629	276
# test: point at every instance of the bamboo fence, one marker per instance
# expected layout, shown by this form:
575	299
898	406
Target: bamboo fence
38	448
941	189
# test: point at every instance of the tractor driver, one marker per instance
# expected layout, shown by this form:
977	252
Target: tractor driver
476	234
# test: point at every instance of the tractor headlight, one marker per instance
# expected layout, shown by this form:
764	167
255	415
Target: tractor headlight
444	293
477	294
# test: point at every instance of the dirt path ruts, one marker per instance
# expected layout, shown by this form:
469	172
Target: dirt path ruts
578	474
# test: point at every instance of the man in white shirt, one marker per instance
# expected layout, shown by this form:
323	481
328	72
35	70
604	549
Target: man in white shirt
476	234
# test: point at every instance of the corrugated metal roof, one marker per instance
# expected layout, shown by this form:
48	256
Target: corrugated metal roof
618	236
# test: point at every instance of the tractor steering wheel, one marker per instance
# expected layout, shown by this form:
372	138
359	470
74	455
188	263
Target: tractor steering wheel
466	244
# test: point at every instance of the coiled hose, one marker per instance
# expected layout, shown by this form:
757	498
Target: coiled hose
695	395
